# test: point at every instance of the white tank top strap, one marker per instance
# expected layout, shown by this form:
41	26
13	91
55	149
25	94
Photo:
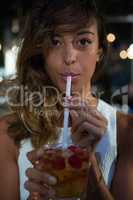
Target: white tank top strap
106	150
24	164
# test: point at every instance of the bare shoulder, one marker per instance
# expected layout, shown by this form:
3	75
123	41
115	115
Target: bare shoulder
9	173
125	121
124	169
125	131
6	142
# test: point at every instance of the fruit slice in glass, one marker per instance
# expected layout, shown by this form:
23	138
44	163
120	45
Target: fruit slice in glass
70	166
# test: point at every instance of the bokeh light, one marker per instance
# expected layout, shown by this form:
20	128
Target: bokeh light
130	52
0	46
123	54
111	37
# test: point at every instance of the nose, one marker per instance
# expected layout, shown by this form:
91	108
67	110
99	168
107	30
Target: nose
70	55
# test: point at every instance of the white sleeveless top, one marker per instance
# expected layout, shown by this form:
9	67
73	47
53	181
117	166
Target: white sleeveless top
106	150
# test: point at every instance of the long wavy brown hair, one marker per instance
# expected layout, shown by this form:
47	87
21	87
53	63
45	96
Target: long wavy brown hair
35	120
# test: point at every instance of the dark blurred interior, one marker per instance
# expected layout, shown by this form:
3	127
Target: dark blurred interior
116	83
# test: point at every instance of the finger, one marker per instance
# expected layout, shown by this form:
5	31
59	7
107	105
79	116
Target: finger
34	196
84	143
96	131
85	117
38	198
99	116
75	106
78	103
38	188
84	139
90	129
93	110
71	101
74	117
88	142
82	105
35	155
39	176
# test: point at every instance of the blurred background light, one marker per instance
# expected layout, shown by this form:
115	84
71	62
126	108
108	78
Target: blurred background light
0	46
15	48
130	52
123	54
10	60
15	26
111	37
125	108
1	79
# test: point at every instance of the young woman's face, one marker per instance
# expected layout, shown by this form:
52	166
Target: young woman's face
73	54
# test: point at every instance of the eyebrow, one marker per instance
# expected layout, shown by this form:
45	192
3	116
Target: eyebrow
85	32
82	32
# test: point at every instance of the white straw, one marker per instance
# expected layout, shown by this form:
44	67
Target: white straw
66	113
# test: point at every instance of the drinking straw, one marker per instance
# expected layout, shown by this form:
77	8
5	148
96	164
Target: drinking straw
66	114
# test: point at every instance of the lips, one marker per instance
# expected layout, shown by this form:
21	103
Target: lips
73	75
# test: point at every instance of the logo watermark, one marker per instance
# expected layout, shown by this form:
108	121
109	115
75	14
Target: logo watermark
37	99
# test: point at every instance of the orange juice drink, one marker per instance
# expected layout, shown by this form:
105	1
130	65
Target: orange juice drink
70	167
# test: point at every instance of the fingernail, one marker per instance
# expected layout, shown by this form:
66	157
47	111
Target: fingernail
70	98
65	104
52	180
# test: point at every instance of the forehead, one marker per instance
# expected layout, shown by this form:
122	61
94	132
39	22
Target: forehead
74	28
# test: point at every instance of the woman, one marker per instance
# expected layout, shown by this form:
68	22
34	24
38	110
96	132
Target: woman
63	38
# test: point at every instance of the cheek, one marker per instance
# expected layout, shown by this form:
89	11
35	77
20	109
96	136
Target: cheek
89	63
52	62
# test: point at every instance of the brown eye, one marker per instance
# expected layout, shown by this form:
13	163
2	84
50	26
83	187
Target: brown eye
55	42
84	42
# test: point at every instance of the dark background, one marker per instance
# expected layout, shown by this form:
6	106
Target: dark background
10	8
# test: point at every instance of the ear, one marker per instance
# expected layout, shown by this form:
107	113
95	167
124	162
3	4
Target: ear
99	54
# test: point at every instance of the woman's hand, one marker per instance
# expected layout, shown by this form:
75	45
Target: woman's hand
97	188
39	183
88	124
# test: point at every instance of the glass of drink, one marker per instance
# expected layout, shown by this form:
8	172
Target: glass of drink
68	163
70	166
